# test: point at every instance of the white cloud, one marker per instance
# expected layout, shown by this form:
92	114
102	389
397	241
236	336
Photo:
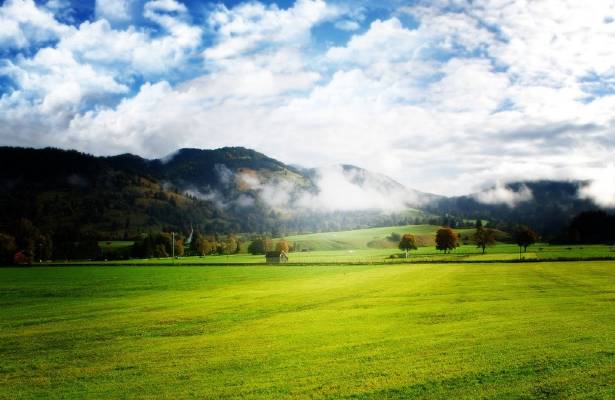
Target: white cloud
601	188
250	26
347	25
348	190
24	24
469	85
131	52
114	10
85	67
501	194
385	40
549	41
495	92
336	189
57	81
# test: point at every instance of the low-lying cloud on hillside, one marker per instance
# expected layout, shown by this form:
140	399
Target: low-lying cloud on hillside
351	190
601	188
334	189
502	194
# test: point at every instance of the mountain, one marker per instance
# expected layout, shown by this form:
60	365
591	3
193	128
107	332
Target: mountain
547	206
233	189
73	194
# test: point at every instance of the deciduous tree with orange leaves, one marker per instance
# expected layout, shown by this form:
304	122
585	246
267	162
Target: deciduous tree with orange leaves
446	239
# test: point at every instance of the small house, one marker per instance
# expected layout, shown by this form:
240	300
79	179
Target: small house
276	257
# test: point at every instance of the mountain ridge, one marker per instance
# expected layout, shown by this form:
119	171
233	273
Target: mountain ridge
242	190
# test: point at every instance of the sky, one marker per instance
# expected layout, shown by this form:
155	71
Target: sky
445	96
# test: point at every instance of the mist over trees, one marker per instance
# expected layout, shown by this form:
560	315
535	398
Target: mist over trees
59	204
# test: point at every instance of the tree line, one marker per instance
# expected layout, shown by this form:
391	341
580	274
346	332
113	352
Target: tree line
26	243
447	239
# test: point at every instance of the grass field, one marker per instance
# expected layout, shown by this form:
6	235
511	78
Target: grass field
466	253
532	330
360	239
370	246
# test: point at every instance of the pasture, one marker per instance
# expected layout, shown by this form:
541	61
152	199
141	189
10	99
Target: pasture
530	330
364	246
369	238
426	254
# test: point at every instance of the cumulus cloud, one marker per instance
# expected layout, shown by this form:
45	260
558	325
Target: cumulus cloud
502	194
114	10
347	25
252	25
57	80
24	25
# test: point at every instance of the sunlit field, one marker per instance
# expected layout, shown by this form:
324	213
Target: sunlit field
464	253
532	330
371	246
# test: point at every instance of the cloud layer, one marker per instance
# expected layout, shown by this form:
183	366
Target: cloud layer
442	95
500	194
331	189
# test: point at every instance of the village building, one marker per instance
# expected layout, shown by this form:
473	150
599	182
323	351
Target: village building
276	257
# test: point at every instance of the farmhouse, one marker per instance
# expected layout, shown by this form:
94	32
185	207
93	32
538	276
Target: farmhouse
276	257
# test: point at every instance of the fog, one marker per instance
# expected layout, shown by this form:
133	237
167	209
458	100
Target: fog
335	188
501	194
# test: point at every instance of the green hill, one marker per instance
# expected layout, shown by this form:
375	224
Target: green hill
375	238
215	191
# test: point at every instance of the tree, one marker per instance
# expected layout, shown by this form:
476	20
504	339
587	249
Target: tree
209	246
43	249
179	247
197	244
484	237
8	248
446	239
282	245
25	238
144	248
524	237
163	240
407	243
230	246
394	237
260	245
592	227
160	251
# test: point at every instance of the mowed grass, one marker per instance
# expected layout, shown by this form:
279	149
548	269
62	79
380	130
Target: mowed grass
463	331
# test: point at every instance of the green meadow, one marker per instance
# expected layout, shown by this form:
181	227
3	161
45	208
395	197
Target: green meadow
369	238
365	246
426	331
427	254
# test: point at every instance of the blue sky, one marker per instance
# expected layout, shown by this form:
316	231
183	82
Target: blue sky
444	96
